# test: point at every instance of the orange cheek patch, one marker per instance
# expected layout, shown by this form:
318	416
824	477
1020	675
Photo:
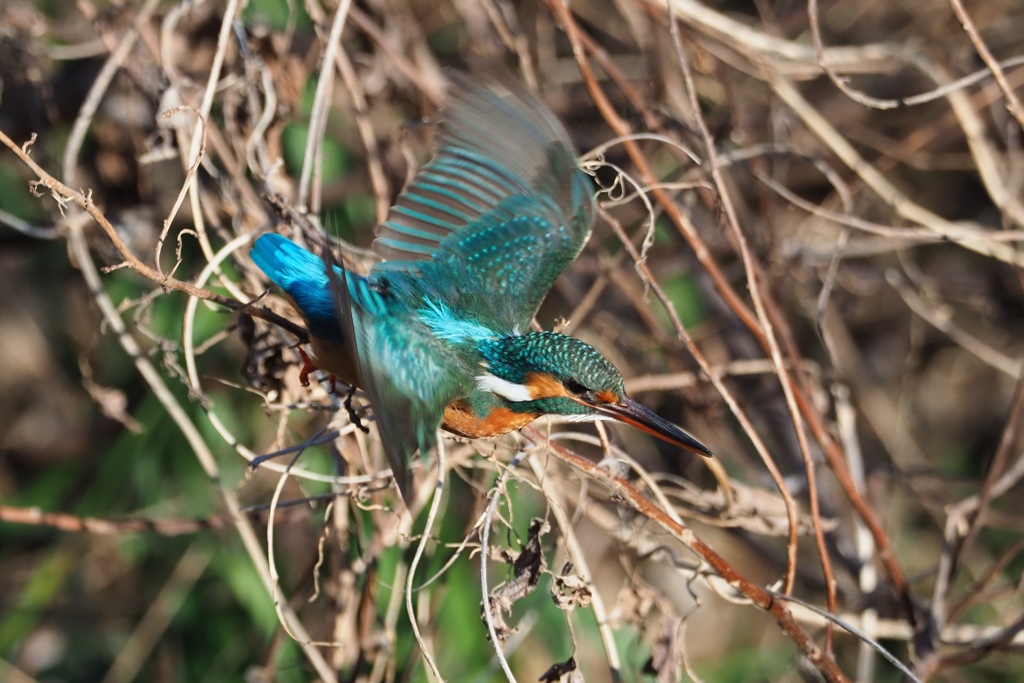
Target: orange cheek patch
607	396
542	385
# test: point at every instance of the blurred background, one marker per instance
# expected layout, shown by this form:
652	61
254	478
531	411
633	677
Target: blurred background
860	224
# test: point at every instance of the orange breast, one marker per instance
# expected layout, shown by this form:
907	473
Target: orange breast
459	419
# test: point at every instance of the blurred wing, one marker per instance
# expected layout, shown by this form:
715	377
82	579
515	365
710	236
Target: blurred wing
500	210
397	363
407	389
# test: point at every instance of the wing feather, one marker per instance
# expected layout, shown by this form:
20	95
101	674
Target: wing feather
501	209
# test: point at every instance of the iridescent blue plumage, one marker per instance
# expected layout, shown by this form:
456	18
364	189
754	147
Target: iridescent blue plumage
470	250
302	276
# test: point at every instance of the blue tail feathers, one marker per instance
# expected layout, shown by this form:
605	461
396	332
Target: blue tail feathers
303	276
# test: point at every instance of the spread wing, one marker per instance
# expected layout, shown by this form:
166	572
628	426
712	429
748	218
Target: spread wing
498	213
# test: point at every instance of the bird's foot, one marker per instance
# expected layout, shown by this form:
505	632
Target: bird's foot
352	411
307	368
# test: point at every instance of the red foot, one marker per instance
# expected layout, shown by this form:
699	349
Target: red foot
307	367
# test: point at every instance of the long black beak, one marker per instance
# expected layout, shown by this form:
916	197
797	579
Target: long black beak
629	411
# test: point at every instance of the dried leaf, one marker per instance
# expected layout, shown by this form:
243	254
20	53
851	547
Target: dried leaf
570	591
112	402
667	653
562	672
264	362
527	568
634	604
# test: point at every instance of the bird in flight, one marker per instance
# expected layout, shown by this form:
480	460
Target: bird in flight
438	333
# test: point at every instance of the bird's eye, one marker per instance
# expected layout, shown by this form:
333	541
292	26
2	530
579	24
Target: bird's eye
575	387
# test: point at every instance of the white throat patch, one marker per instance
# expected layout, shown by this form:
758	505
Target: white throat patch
510	391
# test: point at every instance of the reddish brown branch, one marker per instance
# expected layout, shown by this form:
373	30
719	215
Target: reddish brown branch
628	494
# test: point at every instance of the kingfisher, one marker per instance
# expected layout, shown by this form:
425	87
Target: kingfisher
438	333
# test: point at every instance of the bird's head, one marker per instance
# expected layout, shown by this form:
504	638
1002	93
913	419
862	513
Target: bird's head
554	374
